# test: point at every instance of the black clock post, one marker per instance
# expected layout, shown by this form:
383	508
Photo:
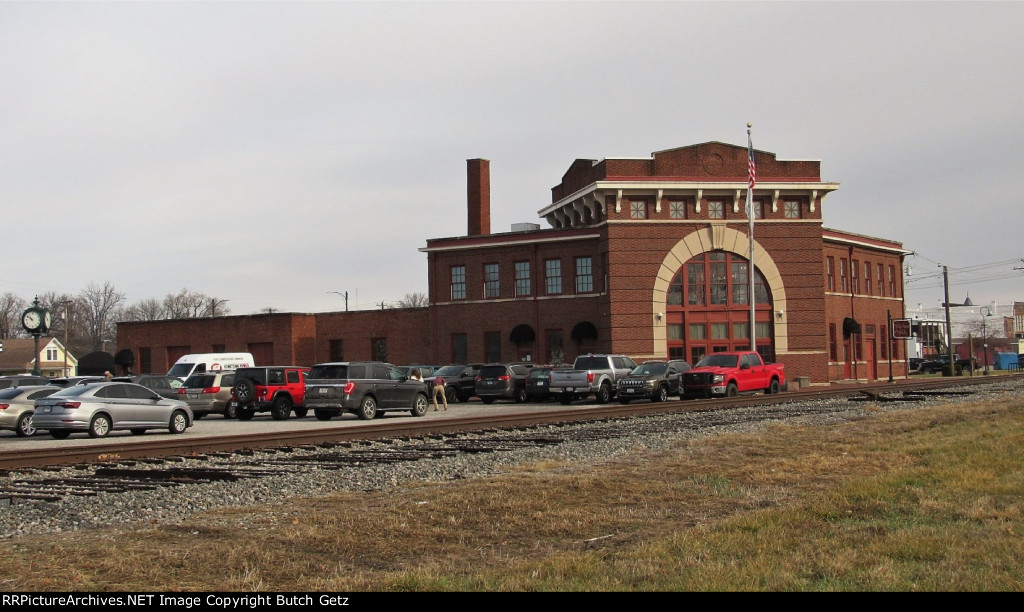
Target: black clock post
36	321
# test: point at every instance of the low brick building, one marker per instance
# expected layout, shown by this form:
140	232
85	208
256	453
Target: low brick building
642	256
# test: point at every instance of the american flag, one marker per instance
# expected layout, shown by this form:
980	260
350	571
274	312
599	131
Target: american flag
750	162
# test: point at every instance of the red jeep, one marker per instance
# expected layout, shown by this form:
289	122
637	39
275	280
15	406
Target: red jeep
279	389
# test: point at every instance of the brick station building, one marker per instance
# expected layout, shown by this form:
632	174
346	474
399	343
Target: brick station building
642	256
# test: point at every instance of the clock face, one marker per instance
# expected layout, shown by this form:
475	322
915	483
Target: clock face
31	320
47	320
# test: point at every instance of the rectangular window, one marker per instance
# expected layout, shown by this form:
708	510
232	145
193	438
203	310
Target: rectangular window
719	283
379	349
764	329
675	331
460	354
716	209
792	209
842	274
740	283
697	353
336	349
830	273
145	360
855	275
720	331
458	282
553	276
698	331
884	342
677	209
892	281
523	278
584	275
833	352
758	208
881	279
695	285
638	210
555	354
492	347
492	283
51	354
867	278
740	330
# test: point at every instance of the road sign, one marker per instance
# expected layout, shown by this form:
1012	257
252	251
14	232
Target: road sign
901	328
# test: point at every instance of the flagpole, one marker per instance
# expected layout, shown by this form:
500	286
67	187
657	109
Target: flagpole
750	216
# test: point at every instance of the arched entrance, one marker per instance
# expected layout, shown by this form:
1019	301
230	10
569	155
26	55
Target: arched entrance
707	308
771	320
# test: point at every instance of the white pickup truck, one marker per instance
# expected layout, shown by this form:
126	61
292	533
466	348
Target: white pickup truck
596	375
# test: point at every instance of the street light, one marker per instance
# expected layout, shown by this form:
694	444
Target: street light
344	296
986	313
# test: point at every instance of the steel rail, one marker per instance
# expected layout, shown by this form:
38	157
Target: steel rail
185	445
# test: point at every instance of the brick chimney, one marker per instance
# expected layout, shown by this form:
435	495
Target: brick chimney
478	194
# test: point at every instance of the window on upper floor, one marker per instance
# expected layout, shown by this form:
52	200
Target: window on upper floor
830	273
638	210
716	209
677	209
792	209
584	275
842	275
492	282
758	207
553	276
523	278
458	282
867	278
855	276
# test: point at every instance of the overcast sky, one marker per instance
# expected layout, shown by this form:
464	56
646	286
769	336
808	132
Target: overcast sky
270	153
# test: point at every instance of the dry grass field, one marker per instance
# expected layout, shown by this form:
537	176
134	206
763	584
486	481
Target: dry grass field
925	499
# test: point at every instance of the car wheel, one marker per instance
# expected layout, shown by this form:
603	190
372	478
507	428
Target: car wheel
24	427
282	408
245	390
230	411
179	422
245	414
731	391
774	387
367	408
99	427
487	400
419	405
661	395
604	394
301	412
522	397
60	434
138	431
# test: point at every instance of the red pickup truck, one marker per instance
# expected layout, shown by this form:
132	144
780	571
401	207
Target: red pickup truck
730	374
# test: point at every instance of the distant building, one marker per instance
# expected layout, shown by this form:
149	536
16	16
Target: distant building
18	357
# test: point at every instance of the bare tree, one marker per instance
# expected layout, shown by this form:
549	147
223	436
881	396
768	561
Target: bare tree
414	300
98	306
185	305
149	309
11	307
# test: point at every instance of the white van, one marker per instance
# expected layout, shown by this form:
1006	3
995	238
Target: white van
210	362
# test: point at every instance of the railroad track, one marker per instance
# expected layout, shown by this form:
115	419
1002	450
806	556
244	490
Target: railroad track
154	463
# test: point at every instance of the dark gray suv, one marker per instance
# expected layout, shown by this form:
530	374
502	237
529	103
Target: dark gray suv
367	389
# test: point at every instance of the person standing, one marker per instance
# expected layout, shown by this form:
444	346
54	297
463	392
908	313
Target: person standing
439	390
416	375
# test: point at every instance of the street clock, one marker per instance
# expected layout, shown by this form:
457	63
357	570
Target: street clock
36	320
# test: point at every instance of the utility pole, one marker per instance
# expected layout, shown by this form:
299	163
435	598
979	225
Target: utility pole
67	323
949	325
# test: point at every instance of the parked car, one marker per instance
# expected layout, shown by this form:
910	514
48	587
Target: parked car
653	380
731	373
425	370
17	404
538	384
499	380
209	393
103	407
166	386
459	381
19	380
71	381
367	389
914	364
279	389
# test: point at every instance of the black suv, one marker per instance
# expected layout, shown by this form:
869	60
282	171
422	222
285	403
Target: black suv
365	388
498	380
459	381
654	380
279	389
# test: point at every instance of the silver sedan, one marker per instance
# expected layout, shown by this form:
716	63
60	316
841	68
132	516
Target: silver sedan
100	408
17	405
